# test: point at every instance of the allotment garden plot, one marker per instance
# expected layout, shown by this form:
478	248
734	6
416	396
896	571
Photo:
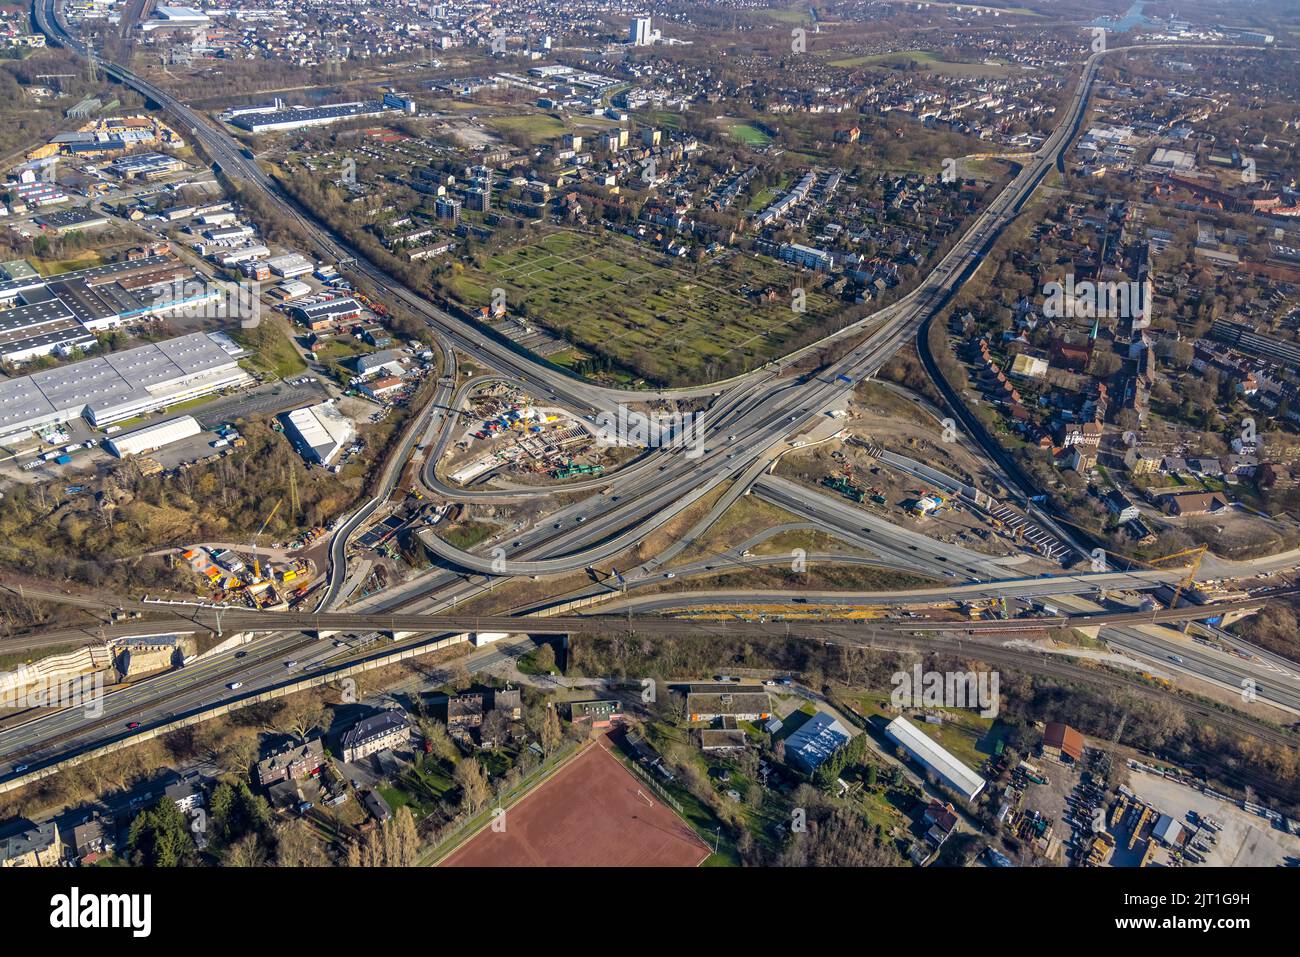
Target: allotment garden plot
667	319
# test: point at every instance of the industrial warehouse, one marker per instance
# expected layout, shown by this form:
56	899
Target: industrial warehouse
270	119
319	432
111	388
40	316
150	438
936	759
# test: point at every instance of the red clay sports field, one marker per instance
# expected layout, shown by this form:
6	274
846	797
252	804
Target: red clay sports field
592	813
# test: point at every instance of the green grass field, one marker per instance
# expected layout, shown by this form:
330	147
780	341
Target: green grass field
924	59
749	135
538	127
56	267
274	352
793	14
669	320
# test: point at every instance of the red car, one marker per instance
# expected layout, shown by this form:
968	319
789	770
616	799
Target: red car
131	726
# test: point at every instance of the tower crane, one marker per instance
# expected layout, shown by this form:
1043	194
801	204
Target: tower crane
257	565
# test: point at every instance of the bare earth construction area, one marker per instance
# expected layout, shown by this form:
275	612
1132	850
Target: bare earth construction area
593	813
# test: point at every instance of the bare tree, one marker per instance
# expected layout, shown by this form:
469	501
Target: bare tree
473	784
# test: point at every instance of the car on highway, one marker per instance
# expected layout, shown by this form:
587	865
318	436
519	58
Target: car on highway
235	685
291	662
132	725
20	768
1176	659
240	654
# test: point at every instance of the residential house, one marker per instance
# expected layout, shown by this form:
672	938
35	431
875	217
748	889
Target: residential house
377	806
509	701
1087	434
1194	503
379	732
93	839
464	711
743	702
292	763
186	795
1119	505
939	820
25	844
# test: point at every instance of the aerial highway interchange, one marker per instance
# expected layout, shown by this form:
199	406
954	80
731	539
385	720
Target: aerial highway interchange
747	421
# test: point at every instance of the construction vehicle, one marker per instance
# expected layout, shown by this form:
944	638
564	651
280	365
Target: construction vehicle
570	469
845	488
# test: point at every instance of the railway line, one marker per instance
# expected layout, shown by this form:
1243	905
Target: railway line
761	408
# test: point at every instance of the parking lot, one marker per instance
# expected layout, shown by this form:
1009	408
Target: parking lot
267	399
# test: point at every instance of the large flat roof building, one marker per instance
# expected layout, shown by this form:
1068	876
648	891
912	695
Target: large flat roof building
110	388
292	119
150	438
935	758
40	316
319	432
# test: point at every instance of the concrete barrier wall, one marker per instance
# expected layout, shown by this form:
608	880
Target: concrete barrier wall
228	707
56	668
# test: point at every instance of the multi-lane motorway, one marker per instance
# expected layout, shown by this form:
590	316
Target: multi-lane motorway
746	419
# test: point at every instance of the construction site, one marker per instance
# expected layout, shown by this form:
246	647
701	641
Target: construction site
263	578
508	436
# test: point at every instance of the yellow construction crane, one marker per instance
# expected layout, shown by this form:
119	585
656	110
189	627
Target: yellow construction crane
257	565
1198	555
